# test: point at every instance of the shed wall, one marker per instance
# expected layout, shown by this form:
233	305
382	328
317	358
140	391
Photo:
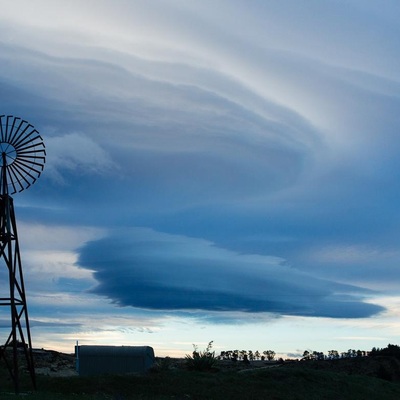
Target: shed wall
98	360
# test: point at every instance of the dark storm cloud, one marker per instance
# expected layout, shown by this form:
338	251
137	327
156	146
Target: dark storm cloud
145	269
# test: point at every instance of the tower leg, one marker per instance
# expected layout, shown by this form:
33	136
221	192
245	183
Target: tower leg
17	349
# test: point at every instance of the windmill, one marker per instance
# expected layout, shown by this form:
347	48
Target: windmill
22	160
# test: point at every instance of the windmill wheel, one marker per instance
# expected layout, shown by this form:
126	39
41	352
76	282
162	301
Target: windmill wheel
23	154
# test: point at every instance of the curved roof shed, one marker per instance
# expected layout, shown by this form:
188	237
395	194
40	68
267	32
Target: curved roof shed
97	360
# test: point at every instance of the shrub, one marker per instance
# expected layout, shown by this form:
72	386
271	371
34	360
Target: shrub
201	360
162	364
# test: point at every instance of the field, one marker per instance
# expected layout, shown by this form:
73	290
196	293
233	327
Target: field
352	379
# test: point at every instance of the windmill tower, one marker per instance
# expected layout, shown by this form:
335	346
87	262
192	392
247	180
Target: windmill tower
22	158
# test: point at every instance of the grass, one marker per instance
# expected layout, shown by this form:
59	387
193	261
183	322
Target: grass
273	383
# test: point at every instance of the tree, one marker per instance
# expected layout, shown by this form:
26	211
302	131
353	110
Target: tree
391	350
318	355
235	355
270	354
250	355
333	354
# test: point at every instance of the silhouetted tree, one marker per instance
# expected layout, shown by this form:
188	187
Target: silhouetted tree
270	354
391	350
250	354
333	354
318	355
235	355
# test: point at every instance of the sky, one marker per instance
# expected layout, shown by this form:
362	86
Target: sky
222	170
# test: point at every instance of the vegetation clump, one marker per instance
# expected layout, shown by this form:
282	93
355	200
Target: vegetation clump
162	364
201	360
392	350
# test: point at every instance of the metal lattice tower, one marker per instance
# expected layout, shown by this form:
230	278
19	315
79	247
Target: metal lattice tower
22	160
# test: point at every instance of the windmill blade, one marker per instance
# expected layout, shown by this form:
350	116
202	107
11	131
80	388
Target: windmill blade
20	177
29	166
12	180
26	139
1	127
41	165
23	154
11	133
22	133
12	137
7	127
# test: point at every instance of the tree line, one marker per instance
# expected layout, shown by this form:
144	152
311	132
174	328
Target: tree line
206	359
391	350
333	354
269	355
244	355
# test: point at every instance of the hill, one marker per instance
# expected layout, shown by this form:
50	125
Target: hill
365	378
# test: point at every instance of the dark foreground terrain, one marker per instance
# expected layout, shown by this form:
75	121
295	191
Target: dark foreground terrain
366	378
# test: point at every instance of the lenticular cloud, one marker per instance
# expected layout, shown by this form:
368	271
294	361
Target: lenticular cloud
147	269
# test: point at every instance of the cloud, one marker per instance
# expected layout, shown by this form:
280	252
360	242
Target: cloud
146	269
269	129
78	153
33	323
177	126
269	138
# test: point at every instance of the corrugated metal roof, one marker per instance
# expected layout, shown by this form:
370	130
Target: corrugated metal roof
116	350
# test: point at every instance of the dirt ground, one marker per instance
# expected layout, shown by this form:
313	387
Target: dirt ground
53	363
